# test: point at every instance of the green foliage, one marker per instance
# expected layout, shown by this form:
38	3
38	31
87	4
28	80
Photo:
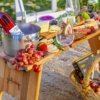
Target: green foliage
61	4
34	5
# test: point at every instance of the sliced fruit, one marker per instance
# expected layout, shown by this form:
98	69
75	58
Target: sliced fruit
68	30
52	48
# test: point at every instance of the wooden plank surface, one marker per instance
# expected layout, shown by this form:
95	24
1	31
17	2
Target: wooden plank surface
34	85
87	38
2	68
47	58
50	56
24	86
12	82
49	35
2	71
94	43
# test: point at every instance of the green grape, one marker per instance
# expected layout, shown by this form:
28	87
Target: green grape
85	15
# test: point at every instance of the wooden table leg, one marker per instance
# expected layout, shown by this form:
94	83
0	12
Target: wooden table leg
94	43
34	85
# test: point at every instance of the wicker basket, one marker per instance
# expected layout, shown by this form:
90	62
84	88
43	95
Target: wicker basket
84	89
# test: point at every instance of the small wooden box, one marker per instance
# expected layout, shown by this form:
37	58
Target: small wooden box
22	85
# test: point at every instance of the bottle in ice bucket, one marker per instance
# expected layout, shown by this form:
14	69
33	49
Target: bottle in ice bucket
11	34
16	37
8	25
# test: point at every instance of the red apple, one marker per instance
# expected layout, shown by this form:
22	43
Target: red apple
36	68
43	47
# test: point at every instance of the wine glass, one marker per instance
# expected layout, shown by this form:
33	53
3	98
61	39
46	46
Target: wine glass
72	6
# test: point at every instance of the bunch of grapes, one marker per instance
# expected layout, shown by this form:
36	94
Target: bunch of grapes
26	58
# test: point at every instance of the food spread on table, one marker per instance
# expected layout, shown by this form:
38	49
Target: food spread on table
27	46
33	42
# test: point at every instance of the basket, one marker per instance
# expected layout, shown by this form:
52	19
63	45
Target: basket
84	89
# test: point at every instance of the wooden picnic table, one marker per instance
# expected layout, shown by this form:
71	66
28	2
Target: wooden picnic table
26	85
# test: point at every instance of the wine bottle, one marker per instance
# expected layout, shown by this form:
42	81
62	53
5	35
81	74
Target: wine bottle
8	25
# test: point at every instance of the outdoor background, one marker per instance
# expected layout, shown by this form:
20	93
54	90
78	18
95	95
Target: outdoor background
35	5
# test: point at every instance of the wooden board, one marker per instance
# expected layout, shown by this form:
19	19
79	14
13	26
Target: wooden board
91	36
2	70
49	35
95	43
50	56
13	82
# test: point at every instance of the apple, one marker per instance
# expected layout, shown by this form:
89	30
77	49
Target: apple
43	47
36	68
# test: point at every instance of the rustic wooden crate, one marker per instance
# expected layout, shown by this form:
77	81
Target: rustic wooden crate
84	89
22	85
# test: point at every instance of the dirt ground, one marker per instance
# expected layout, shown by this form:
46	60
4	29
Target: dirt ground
56	84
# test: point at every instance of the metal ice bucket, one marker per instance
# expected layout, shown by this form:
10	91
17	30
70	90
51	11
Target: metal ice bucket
13	43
